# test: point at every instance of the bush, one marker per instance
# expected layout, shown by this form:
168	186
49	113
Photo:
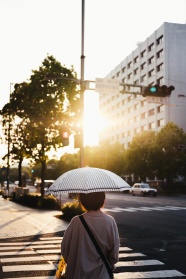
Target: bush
30	200
36	201
71	209
47	202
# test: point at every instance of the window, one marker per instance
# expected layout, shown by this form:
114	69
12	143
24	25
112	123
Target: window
118	73
144	115
123	69
144	128
160	109
143	53
124	80
151	47
129	65
129	99
152	125
136	106
136	71
143	66
136	82
151	60
129	76
159	53
160	123
151	112
159	40
160	81
143	78
142	103
129	109
136	59
151	73
123	102
160	67
137	118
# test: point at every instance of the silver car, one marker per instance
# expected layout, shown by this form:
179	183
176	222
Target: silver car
143	189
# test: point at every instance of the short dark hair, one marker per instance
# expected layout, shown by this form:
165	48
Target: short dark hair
92	201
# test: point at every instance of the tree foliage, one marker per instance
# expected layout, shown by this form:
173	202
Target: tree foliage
138	156
168	160
47	107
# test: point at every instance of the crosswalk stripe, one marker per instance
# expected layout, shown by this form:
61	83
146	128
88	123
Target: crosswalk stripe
50	257
51	238
30	246
175	207
149	274
129	255
23	259
139	263
135	209
53	251
30	267
30	243
124	249
16	253
40	277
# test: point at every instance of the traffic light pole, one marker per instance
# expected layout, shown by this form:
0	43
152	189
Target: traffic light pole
82	86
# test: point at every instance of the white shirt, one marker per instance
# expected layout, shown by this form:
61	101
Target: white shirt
83	261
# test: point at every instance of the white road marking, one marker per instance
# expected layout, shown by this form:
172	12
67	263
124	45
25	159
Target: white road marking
139	263
41	277
23	259
135	209
149	274
129	255
31	243
30	246
125	249
53	251
16	253
30	267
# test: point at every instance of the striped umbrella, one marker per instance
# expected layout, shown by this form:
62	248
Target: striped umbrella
87	180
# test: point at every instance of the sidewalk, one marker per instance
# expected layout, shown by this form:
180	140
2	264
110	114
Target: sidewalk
17	220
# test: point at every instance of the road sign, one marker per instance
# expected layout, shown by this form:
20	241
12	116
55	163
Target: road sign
107	85
158	100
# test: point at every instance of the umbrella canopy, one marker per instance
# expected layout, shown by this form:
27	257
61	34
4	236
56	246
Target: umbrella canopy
87	180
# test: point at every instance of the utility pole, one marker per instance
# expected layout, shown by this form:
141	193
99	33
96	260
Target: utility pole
82	85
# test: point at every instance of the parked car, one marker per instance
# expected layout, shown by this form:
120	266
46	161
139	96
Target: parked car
143	189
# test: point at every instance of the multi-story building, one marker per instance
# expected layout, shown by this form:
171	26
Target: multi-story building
160	59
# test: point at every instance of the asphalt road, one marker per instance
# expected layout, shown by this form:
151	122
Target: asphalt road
153	226
153	229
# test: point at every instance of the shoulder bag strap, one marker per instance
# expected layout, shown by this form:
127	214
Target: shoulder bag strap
109	269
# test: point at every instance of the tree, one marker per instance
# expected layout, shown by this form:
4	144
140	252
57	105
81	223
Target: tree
168	160
46	106
139	155
106	156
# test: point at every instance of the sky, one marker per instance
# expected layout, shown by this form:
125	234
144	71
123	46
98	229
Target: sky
31	29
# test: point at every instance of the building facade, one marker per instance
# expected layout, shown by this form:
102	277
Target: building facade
160	59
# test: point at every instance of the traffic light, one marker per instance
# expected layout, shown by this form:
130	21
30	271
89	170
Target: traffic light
65	138
157	90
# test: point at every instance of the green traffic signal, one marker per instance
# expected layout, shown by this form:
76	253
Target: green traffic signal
157	91
153	89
